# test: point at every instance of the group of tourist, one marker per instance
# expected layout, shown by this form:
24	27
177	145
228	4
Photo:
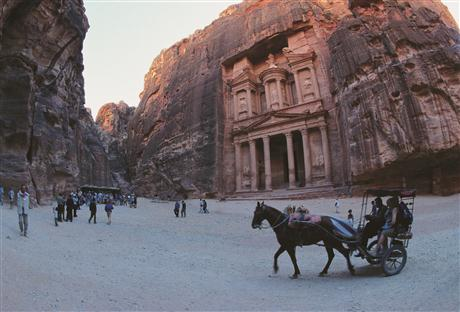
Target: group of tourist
182	207
76	199
10	195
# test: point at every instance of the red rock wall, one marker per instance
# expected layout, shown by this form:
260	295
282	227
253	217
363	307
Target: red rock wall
47	138
367	53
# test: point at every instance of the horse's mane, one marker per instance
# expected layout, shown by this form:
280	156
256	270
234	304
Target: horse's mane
273	208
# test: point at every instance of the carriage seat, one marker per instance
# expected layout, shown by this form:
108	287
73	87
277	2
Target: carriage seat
401	235
343	230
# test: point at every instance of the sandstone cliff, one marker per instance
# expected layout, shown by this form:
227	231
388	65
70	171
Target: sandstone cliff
388	72
47	137
112	119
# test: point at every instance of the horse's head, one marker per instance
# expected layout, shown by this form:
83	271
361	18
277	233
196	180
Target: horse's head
260	215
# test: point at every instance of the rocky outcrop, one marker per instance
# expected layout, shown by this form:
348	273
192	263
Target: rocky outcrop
47	137
394	72
388	74
112	120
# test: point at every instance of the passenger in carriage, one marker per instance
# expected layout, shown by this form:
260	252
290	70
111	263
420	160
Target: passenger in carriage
390	226
302	217
376	221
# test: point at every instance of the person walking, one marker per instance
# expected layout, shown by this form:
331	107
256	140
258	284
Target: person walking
350	218
23	207
205	206
337	205
60	207
93	210
69	208
1	195
75	204
11	197
108	209
176	208
183	210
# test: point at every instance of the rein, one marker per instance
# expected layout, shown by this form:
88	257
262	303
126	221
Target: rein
275	226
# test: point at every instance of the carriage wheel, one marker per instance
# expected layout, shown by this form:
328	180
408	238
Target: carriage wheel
394	260
372	249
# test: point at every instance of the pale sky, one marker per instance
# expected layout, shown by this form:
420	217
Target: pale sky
126	35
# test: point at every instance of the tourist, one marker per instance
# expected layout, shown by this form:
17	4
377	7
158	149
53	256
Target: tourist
350	218
1	195
76	205
389	227
11	197
23	207
176	209
69	204
93	210
376	221
108	209
337	205
205	207
183	210
60	207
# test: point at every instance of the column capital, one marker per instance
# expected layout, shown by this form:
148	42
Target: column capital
322	127
288	134
304	131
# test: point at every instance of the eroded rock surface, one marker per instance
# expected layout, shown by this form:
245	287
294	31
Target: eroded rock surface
113	119
47	137
387	73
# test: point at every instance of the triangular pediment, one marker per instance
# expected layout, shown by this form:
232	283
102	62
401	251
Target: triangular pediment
244	76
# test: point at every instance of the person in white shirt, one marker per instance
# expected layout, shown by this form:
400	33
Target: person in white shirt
23	208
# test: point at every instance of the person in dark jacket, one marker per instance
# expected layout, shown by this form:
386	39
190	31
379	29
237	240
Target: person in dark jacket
93	210
176	208
108	210
183	210
376	221
60	207
69	208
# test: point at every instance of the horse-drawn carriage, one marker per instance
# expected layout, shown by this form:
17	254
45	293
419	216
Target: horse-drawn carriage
337	234
394	258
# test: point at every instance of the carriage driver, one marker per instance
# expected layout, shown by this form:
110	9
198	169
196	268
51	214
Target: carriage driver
390	226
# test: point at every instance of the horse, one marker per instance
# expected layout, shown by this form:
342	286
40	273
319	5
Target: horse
289	238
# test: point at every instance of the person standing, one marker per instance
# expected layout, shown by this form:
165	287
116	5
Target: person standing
1	195
205	206
176	208
69	204
337	205
23	207
350	218
183	210
60	207
108	209
93	210
11	197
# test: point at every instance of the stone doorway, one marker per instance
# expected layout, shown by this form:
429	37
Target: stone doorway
279	162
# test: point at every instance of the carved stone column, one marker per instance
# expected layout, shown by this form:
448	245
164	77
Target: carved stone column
306	155
236	109
252	152
249	101
297	87
291	163
238	166
280	94
327	157
267	164
267	97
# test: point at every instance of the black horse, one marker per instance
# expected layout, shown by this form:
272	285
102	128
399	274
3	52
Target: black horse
289	238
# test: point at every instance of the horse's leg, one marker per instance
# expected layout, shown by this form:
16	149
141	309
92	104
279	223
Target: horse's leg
330	256
277	254
346	253
291	252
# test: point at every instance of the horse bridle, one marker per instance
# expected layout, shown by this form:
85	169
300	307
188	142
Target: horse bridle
275	226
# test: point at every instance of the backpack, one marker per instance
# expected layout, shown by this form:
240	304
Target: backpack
405	217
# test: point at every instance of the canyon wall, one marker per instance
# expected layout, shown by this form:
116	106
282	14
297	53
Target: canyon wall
112	120
48	139
387	72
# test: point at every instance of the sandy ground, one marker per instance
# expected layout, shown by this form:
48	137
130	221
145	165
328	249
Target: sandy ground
150	260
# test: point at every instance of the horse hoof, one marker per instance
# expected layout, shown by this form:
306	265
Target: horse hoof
352	272
323	274
294	276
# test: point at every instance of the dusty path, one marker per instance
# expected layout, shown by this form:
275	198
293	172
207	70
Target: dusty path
149	260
